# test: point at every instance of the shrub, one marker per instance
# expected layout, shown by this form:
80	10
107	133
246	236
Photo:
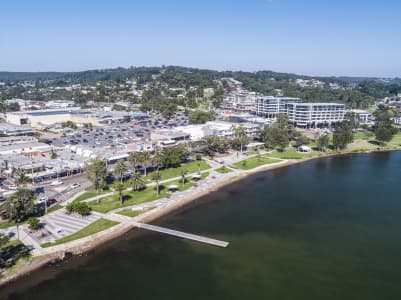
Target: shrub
78	207
33	223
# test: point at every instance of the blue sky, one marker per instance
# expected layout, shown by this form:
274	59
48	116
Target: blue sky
340	37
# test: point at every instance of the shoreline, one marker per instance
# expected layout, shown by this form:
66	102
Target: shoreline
86	244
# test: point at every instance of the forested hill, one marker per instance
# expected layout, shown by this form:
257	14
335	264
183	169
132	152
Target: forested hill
118	74
158	83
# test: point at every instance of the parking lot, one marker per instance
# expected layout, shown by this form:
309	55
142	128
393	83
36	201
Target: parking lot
121	132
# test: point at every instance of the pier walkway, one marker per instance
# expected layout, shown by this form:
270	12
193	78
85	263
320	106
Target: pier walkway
184	235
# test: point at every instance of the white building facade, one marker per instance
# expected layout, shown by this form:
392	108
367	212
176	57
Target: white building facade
270	106
315	114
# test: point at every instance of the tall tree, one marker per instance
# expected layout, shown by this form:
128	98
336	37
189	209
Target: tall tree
213	144
156	176
323	142
342	135
145	158
134	159
119	169
157	160
136	181
96	172
384	129
119	188
19	206
240	136
21	178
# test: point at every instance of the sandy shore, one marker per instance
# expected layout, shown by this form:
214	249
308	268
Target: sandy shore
55	253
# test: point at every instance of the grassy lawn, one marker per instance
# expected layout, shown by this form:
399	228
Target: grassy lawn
90	194
7	224
253	162
364	135
191	167
54	208
365	141
133	198
133	213
223	170
292	153
97	226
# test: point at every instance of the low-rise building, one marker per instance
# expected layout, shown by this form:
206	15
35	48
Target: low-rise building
27	149
363	117
45	117
14	130
59	104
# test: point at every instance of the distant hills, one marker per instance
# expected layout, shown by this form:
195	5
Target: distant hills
123	73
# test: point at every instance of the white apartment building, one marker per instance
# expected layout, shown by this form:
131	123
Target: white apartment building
241	101
271	106
364	118
315	114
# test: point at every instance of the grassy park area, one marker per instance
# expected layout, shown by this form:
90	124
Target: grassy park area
256	161
292	153
190	167
223	170
90	194
95	227
133	213
137	197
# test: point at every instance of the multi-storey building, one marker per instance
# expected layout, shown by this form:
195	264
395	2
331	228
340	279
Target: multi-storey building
270	106
363	117
315	114
240	101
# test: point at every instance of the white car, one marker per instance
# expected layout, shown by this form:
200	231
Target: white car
12	187
75	185
56	182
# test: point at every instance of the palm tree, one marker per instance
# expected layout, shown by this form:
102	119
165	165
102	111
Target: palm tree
183	173
96	172
156	176
119	188
145	157
22	179
120	169
157	160
241	136
133	159
19	205
136	181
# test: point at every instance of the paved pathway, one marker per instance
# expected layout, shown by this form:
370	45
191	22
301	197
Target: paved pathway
61	224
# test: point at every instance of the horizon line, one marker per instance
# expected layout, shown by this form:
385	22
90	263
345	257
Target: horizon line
202	68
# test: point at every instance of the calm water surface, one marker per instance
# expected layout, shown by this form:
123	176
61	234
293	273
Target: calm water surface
327	229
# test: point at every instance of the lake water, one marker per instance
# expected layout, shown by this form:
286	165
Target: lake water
326	229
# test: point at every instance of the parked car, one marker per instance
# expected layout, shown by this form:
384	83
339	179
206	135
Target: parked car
12	187
50	202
